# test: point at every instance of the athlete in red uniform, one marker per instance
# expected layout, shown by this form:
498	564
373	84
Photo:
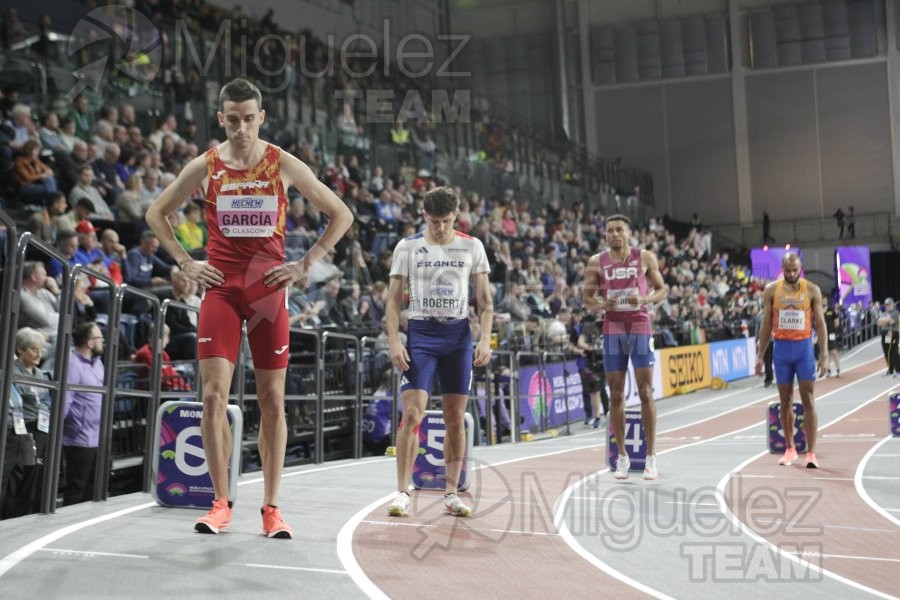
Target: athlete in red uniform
247	279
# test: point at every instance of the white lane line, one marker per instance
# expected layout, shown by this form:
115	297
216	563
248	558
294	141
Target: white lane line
316	470
345	535
692	405
766	399
90	553
348	559
572	542
723	506
304	569
849	557
13	558
827	526
861	489
455	526
17	556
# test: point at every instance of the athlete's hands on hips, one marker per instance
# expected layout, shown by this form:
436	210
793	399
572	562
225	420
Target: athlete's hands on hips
286	275
399	356
203	273
482	354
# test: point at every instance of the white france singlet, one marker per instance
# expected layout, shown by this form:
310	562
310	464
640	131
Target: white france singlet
438	275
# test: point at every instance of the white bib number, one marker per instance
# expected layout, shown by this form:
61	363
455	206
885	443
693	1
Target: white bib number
247	216
792	319
623	299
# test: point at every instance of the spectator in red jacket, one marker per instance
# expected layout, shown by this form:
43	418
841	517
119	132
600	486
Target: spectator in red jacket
171	379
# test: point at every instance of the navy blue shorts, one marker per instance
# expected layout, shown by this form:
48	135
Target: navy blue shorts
438	347
794	357
619	347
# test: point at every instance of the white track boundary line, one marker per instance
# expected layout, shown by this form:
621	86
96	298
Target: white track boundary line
287	568
13	558
572	542
345	535
562	501
861	488
720	487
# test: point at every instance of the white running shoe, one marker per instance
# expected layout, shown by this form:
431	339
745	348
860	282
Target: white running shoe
623	464
456	507
398	508
650	472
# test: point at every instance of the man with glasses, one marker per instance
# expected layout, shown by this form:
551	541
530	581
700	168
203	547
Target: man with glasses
81	428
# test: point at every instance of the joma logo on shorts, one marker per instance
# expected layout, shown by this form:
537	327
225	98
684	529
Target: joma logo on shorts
620	273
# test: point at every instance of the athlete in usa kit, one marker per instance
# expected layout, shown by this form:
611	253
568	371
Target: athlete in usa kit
619	281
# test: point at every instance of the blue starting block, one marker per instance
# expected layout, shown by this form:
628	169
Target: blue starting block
895	414
635	441
775	434
429	469
180	475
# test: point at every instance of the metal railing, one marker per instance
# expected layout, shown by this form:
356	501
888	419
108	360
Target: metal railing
7	332
56	384
110	352
349	367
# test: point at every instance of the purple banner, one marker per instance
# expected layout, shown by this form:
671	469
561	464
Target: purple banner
775	431
895	414
851	266
766	262
429	470
543	400
182	477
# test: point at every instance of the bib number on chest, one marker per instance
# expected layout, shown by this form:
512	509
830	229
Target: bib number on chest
247	216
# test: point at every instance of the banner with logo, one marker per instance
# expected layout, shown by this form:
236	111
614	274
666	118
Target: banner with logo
851	268
766	262
181	477
543	399
429	470
685	369
733	359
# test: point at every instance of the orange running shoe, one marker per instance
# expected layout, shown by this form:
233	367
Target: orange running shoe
811	462
790	455
218	517
273	525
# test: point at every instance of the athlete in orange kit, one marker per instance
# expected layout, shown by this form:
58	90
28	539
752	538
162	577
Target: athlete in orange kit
792	305
247	280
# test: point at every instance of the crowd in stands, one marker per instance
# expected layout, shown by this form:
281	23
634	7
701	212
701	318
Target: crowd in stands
94	218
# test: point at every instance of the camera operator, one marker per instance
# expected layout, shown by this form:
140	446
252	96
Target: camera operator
593	375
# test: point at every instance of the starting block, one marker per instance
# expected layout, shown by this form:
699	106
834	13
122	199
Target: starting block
895	415
775	434
180	475
429	469
635	441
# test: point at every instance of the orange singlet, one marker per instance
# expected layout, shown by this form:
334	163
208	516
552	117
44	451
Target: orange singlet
792	312
245	215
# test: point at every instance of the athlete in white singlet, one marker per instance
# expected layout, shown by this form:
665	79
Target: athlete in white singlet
437	266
